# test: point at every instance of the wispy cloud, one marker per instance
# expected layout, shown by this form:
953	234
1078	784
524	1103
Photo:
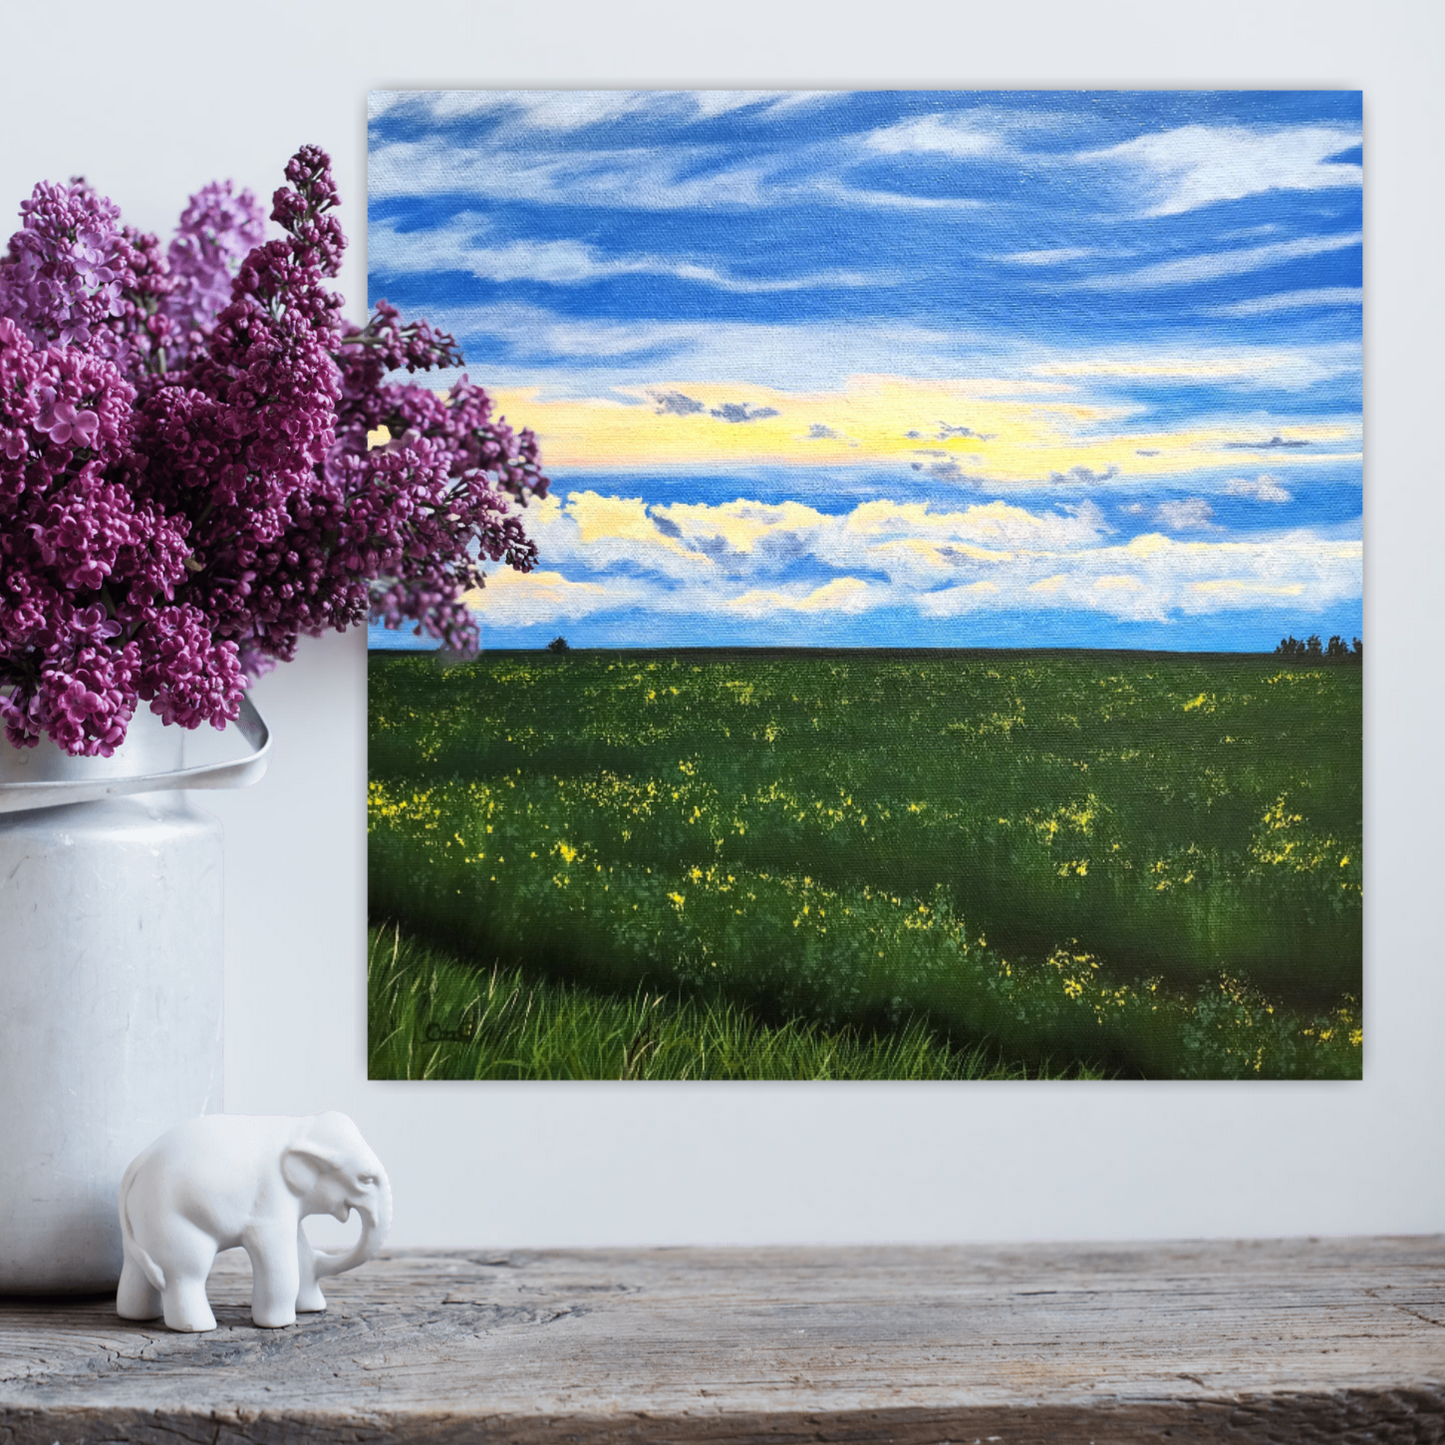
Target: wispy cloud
1050	256
458	246
1195	270
529	343
841	193
1198	165
1320	296
1289	367
640	178
579	356
956	136
559	112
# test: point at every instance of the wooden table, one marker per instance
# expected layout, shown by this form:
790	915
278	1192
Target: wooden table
1297	1340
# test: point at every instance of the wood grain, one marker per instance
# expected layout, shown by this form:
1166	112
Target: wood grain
1301	1340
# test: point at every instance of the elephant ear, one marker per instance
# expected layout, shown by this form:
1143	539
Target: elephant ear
302	1164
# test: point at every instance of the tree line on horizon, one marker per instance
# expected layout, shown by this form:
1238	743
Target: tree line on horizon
1310	650
1313	650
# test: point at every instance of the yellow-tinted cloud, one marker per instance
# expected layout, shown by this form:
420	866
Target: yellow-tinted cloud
843	594
1243	586
740	524
986	430
603	530
600	517
516	599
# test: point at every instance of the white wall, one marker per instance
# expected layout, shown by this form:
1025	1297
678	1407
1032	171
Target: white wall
149	100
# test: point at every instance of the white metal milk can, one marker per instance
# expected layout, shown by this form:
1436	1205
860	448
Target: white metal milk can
110	984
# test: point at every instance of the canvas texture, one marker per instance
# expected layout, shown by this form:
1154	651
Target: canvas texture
944	654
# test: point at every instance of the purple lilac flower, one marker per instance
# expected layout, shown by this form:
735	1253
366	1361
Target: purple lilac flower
187	482
216	232
67	269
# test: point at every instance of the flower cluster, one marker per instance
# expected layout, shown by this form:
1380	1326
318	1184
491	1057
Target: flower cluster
189	470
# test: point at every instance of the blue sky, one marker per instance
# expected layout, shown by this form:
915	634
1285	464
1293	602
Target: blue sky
902	368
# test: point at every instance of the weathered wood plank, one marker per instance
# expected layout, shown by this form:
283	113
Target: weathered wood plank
1340	1340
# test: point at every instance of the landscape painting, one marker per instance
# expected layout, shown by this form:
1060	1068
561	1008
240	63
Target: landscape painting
943	654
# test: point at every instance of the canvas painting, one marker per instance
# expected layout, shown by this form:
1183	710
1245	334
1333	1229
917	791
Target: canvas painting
936	651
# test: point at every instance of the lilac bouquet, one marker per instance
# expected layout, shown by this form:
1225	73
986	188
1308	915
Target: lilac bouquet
189	474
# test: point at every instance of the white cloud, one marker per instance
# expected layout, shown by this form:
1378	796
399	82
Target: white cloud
1051	256
515	599
1154	576
532	345
643	178
815	356
955	601
381	102
745	535
1197	165
1191	270
955	136
712	103
1290	368
1247	233
531	154
1188	514
601	531
1293	301
562	111
754	559
1264	488
996	525
842	594
834	190
742	542
458	246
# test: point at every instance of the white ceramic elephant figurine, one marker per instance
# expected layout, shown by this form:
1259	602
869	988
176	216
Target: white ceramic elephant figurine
240	1179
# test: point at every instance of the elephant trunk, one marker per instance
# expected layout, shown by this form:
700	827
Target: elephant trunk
375	1226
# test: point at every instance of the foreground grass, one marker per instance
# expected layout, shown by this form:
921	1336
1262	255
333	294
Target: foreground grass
434	1017
1151	864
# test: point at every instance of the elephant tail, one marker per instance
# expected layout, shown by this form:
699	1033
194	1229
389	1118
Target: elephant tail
152	1271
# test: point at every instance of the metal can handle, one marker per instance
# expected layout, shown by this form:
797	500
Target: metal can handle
237	773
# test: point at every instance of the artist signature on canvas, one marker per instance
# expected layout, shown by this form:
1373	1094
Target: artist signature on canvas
437	1033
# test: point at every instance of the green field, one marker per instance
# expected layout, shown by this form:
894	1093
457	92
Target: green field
1059	862
433	1016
